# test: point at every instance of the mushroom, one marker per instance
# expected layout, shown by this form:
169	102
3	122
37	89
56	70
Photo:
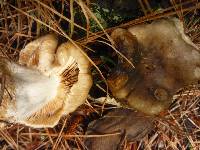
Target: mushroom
122	124
50	81
165	60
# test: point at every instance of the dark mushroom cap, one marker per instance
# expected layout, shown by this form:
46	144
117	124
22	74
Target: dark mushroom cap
165	60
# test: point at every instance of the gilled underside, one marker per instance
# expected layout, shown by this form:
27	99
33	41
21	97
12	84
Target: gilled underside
48	83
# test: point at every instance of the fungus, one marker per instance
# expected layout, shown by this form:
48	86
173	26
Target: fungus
124	124
50	81
165	60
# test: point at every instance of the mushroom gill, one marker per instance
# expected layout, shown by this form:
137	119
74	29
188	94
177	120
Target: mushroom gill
165	60
50	81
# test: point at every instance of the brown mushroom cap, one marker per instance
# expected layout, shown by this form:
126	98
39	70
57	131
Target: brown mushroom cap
50	81
129	125
167	60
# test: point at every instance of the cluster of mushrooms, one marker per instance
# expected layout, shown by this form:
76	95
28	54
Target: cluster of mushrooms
52	80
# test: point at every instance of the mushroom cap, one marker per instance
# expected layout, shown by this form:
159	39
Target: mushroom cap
131	125
50	81
167	60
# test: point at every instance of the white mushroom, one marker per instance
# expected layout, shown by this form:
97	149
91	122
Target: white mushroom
47	83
